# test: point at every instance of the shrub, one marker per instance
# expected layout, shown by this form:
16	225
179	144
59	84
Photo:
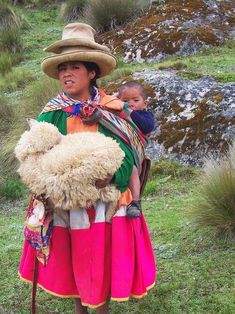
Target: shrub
11	21
5	63
12	188
11	18
105	15
10	40
72	9
216	207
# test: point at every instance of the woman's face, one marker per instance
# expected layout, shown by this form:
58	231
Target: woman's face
75	79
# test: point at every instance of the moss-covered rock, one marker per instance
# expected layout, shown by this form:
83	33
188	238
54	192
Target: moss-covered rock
176	27
193	118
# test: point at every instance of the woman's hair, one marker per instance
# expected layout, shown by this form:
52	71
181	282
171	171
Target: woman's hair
91	66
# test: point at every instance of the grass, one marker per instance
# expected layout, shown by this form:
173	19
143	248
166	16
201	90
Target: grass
217	62
194	268
5	63
18	78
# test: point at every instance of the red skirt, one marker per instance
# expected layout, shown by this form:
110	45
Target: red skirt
95	260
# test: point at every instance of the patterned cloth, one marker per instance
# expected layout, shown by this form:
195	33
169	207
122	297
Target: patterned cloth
128	132
62	101
119	124
38	229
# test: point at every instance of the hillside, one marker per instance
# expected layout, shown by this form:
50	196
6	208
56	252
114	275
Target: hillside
184	54
26	90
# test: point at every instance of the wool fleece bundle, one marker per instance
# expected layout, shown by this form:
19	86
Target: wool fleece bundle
66	167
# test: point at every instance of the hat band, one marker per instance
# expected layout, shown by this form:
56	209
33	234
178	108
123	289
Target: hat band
68	49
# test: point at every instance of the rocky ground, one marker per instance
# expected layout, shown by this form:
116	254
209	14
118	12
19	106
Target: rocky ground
195	118
176	27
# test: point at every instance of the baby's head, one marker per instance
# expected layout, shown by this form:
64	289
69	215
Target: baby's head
134	94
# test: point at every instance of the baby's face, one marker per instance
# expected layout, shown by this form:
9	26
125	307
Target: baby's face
134	98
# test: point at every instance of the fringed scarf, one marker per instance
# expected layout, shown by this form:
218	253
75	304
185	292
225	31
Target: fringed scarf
63	101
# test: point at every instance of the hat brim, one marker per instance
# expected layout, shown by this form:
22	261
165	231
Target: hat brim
105	61
59	44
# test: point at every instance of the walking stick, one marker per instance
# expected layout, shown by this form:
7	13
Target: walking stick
146	164
34	287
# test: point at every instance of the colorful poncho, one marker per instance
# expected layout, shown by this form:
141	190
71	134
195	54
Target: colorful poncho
119	124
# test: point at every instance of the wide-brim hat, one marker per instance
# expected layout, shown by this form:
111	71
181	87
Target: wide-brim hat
78	44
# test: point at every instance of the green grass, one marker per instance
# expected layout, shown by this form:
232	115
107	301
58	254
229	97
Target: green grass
217	62
195	269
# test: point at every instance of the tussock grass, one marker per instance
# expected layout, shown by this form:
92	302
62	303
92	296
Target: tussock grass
105	15
11	17
216	207
11	23
11	41
73	9
12	188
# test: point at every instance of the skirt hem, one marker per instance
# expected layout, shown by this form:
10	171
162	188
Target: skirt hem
92	306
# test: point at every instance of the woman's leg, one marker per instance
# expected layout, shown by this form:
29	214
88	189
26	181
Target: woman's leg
79	308
104	309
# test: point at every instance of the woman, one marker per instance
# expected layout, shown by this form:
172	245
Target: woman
89	259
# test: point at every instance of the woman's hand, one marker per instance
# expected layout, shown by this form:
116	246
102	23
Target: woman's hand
103	183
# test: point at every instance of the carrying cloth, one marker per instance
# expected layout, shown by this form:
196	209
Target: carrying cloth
118	123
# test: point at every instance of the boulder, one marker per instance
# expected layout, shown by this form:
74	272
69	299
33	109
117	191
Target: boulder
175	27
193	118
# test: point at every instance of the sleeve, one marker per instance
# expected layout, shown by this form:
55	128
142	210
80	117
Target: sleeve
144	120
122	175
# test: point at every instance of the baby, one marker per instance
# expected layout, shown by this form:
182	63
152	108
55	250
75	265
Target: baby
134	94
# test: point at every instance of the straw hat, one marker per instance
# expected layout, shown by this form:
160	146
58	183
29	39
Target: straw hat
78	44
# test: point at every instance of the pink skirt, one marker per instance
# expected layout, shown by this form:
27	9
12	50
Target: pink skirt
95	260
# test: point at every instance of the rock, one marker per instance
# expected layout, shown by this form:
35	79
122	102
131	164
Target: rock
176	27
193	118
